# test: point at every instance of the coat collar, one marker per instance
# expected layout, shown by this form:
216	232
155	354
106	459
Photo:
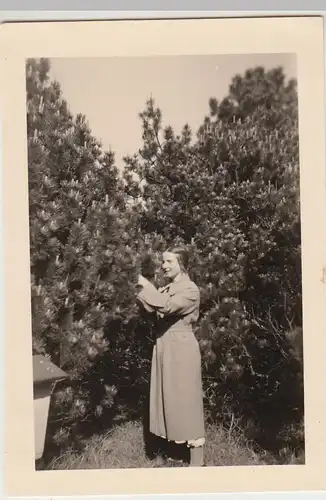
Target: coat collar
175	284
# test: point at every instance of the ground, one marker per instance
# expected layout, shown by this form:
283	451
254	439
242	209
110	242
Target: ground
123	447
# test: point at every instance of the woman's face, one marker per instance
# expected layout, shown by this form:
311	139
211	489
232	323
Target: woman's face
170	265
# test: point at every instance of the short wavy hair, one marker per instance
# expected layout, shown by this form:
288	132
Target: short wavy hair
182	256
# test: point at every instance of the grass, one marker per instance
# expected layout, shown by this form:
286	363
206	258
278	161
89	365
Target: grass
123	447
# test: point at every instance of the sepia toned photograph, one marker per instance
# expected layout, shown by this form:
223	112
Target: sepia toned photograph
163	249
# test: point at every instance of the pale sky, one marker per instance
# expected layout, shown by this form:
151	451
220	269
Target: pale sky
111	92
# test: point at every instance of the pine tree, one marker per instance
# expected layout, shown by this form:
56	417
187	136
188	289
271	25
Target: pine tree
231	193
83	270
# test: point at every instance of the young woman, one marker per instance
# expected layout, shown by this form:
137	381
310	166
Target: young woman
176	399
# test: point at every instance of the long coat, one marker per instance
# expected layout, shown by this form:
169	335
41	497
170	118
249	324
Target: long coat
176	398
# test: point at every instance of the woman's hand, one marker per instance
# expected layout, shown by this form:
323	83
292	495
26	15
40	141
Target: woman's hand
142	281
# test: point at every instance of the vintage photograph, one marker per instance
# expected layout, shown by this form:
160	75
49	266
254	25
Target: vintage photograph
164	266
165	258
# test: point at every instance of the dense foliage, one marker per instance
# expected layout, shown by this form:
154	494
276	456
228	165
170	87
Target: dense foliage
231	193
83	272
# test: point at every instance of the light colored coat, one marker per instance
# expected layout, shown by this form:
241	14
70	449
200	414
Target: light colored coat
176	397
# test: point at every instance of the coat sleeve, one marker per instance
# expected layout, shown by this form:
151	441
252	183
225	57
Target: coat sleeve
182	302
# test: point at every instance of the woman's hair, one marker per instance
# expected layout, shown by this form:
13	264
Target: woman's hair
182	256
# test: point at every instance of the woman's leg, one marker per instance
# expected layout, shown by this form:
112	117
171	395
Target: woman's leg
197	456
177	452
